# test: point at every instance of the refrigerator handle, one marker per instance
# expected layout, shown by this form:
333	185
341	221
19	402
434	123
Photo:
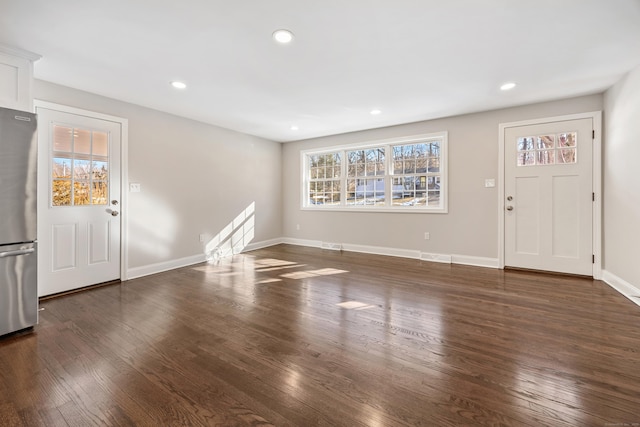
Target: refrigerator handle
17	253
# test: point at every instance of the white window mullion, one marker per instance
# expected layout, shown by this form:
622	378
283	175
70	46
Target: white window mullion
417	170
343	180
387	176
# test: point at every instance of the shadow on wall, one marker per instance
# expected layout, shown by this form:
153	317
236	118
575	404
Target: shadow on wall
233	238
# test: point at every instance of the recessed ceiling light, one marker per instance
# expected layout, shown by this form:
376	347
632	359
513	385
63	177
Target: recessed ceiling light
508	86
283	36
375	112
294	127
179	85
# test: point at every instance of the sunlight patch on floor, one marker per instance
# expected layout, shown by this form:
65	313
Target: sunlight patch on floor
265	281
213	268
313	273
355	305
270	262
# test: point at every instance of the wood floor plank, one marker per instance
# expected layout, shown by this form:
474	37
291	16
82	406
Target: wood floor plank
259	339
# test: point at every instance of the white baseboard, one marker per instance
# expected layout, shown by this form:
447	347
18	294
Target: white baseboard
380	250
402	253
625	288
332	246
263	244
159	267
302	242
146	270
630	291
475	261
431	257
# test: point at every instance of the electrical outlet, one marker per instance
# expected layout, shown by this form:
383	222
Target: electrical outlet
201	237
427	236
134	187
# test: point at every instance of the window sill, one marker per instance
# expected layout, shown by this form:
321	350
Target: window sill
403	210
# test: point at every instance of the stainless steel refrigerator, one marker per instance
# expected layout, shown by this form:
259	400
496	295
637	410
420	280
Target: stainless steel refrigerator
18	245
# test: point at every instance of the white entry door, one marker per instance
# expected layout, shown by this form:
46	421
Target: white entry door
78	200
549	195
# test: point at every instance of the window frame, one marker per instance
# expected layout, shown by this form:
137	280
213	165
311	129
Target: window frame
73	156
388	176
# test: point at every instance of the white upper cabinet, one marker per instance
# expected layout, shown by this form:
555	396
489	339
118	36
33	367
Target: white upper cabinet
16	78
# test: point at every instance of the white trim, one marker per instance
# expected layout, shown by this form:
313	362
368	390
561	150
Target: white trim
597	189
374	209
475	261
380	250
376	143
625	288
501	129
400	253
443	136
596	117
21	53
124	200
302	242
262	244
445	259
365	249
159	267
332	246
124	172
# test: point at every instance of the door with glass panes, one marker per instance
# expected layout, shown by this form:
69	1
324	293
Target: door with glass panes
549	196
78	200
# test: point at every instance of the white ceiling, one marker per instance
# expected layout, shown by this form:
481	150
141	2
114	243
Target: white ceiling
412	59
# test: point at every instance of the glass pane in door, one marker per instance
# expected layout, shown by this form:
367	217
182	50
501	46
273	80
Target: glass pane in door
80	167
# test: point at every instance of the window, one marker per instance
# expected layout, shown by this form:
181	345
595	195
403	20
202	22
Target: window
365	177
325	171
80	170
407	174
547	149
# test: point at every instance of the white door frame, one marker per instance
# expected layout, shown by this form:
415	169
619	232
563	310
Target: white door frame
596	116
124	174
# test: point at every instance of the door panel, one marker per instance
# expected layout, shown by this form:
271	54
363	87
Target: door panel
565	229
548	190
527	224
79	184
99	238
63	246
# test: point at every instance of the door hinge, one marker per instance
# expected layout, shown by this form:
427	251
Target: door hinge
593	134
593	259
593	197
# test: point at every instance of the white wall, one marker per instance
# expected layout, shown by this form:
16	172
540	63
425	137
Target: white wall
191	186
622	179
470	227
195	178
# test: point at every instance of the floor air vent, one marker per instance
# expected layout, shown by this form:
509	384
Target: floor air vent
332	246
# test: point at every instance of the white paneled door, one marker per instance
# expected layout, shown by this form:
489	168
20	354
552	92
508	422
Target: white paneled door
548	196
78	200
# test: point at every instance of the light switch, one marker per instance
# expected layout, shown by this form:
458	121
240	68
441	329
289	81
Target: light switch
489	183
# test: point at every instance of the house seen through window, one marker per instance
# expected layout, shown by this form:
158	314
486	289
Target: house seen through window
404	174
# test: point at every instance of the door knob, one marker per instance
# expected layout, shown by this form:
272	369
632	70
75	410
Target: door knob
509	208
509	198
114	213
114	202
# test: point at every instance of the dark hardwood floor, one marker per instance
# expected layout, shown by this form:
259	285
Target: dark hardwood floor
261	340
